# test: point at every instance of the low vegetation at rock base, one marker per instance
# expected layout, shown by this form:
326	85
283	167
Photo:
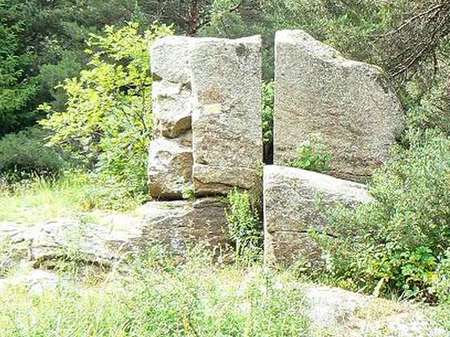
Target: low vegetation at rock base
313	155
155	296
400	242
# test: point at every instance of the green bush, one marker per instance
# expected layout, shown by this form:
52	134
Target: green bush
313	155
441	286
108	121
244	226
395	244
25	154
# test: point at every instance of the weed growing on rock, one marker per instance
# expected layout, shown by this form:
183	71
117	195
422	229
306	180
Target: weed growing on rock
244	226
313	155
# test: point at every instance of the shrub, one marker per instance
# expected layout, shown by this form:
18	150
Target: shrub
267	112
441	286
313	155
25	154
429	107
395	244
108	121
244	226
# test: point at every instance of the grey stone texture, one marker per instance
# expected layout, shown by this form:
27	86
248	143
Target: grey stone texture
349	104
171	160
226	120
291	210
181	224
170	167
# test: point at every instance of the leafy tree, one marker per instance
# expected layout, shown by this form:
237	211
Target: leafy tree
18	86
108	122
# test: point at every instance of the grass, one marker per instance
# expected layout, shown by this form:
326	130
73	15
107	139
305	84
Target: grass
157	297
154	295
40	199
43	199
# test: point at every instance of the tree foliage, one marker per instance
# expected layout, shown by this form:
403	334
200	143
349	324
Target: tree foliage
107	122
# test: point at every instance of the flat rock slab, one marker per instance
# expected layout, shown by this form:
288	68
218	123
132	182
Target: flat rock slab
35	281
337	312
349	104
45	243
180	224
291	210
226	120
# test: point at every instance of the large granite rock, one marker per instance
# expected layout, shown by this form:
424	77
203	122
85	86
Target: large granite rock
170	167
170	162
172	110
291	210
180	224
170	65
45	243
226	120
349	104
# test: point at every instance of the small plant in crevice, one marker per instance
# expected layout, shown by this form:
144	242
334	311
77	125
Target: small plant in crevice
313	155
267	120
267	112
244	226
188	192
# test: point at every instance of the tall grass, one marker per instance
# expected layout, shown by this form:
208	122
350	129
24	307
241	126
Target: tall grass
157	297
41	199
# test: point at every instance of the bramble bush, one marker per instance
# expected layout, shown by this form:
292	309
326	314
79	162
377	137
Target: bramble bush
108	123
397	243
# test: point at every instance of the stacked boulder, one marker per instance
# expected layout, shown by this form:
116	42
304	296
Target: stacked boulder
349	105
208	137
357	115
207	120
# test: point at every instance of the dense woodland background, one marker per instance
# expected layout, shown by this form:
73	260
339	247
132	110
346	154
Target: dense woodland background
75	94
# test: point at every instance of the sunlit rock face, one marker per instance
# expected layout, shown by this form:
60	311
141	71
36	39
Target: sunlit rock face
226	120
349	104
291	209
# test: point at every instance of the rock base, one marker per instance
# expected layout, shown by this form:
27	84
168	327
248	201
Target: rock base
291	209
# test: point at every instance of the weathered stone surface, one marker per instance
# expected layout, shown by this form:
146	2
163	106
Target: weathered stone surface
179	224
337	312
226	120
172	109
35	281
47	242
170	59
170	167
349	104
170	162
290	210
